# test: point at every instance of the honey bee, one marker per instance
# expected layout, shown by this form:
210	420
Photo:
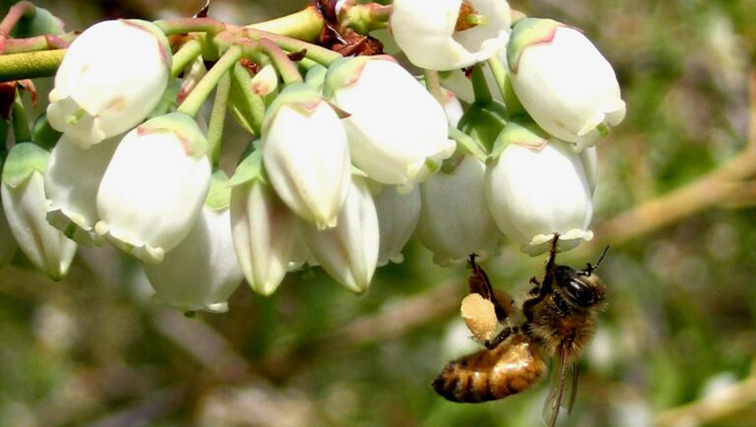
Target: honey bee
555	319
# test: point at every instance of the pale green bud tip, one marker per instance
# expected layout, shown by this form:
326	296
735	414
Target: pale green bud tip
345	72
522	132
164	45
23	160
529	32
183	126
299	96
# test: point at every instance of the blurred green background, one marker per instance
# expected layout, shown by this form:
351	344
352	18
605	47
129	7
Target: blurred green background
676	346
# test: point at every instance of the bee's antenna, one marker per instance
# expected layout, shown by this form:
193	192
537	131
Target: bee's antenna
591	268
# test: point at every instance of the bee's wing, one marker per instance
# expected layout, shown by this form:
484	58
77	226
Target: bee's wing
564	373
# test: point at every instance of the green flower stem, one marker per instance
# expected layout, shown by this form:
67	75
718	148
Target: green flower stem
193	102
468	144
43	42
433	84
255	104
316	53
43	134
218	117
304	25
480	87
365	17
504	83
19	66
20	121
16	12
285	66
185	55
190	25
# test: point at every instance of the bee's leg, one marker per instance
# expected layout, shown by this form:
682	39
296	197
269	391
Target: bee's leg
480	284
537	288
498	339
544	288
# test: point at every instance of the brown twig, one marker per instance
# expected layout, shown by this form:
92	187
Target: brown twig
720	186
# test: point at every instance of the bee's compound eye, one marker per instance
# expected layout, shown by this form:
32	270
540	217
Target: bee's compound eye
580	293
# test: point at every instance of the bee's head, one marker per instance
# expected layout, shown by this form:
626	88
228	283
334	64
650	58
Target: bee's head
581	287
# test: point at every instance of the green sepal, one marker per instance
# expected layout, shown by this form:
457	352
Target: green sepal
467	144
316	76
219	195
450	164
41	23
247	107
483	122
298	96
516	16
529	32
521	131
165	45
249	169
181	124
23	160
168	101
344	72
43	133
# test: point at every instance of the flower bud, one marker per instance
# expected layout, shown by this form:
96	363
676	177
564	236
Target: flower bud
23	196
264	229
306	156
454	218
154	187
452	107
349	252
537	186
72	178
563	81
397	217
8	245
201	272
434	36
394	125
110	79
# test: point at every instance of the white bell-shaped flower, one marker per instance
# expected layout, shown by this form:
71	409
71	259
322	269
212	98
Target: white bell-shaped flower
450	34
201	272
397	217
306	155
264	229
72	178
564	82
454	218
23	195
110	79
154	187
535	190
394	125
349	252
8	245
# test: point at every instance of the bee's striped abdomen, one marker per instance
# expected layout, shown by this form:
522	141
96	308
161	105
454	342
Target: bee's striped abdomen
491	374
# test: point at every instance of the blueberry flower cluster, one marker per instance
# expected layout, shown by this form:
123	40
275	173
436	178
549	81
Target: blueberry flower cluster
349	156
